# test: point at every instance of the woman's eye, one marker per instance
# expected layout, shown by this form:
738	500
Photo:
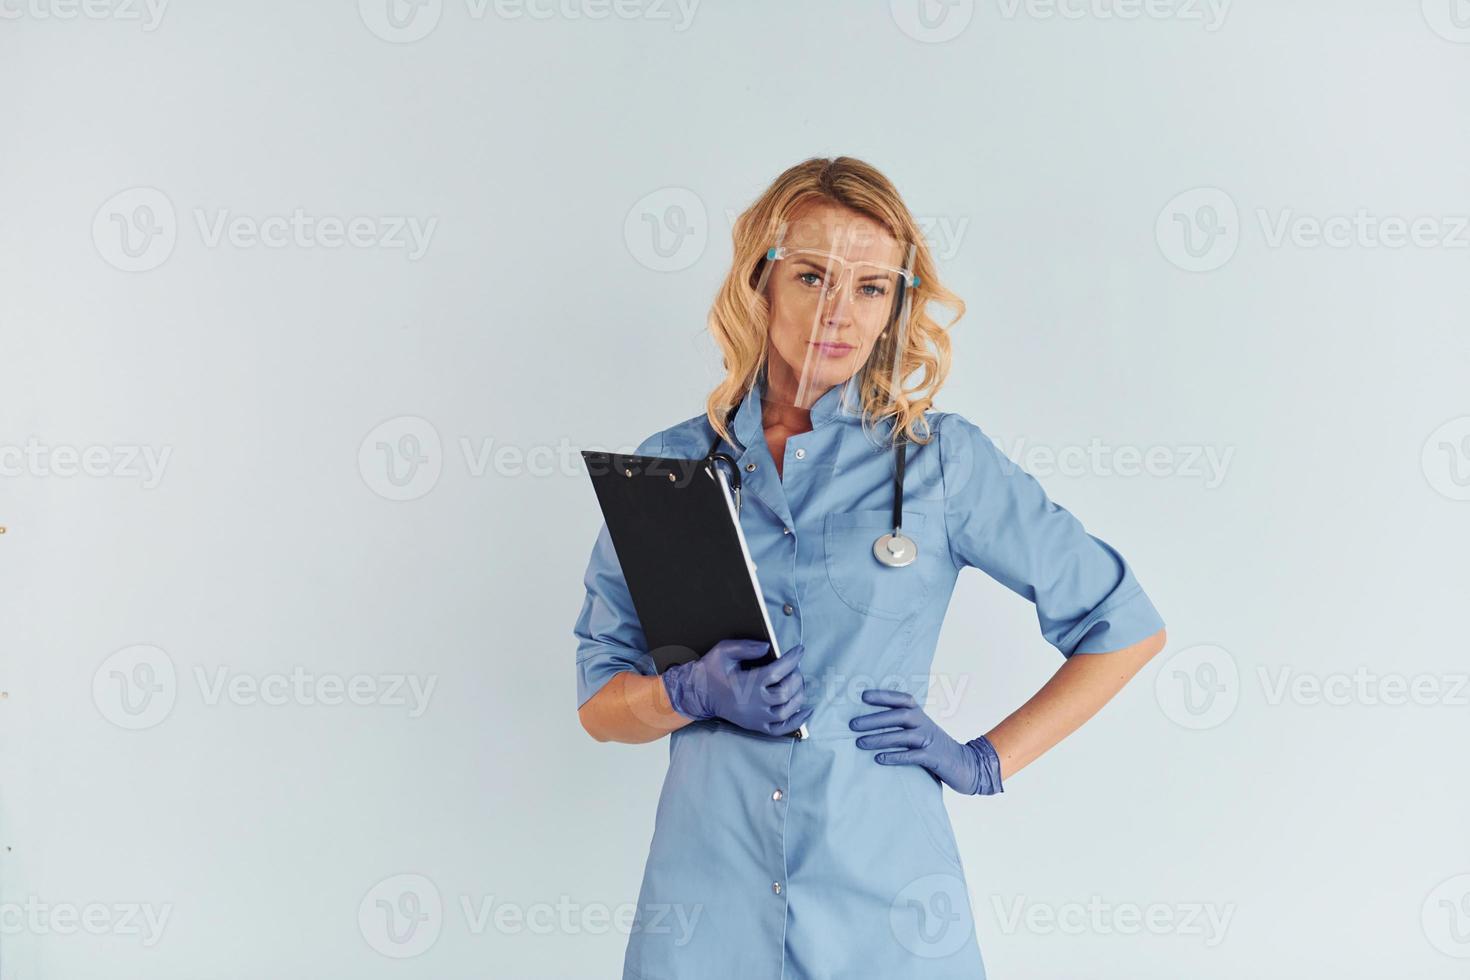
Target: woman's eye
809	279
874	291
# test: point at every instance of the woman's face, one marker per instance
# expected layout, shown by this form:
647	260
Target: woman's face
832	292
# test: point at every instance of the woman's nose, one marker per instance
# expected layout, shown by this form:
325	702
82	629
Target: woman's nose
838	311
837	304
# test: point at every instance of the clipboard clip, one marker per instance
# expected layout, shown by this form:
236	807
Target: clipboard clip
715	459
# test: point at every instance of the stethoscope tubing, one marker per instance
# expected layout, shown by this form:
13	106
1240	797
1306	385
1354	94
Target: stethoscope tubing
895	550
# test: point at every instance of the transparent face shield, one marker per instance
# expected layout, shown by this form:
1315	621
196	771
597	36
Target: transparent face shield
837	292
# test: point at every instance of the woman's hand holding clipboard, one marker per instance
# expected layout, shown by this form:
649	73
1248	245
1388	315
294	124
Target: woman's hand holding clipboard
676	530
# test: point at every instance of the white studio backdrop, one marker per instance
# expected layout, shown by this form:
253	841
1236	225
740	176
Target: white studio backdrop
308	308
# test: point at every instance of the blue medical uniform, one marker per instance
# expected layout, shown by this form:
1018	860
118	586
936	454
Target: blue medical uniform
779	859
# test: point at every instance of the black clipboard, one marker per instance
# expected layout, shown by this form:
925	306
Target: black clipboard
676	530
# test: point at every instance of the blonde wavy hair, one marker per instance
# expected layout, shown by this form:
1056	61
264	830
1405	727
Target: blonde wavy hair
740	317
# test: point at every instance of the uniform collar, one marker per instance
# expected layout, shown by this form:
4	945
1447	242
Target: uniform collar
829	406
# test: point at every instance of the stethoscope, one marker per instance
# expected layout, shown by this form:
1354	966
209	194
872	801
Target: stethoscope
894	549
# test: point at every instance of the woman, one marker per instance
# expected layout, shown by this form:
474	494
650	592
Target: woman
832	855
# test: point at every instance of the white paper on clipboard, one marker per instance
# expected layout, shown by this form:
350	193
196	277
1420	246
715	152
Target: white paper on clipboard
755	582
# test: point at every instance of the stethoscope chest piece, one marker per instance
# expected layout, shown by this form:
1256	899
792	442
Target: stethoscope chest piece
895	550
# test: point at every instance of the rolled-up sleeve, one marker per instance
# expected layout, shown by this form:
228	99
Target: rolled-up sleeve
609	637
1001	521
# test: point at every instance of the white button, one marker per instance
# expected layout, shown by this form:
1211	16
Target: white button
786	530
776	796
750	467
801	454
776	887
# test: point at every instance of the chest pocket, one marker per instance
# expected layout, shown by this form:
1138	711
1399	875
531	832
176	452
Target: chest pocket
864	583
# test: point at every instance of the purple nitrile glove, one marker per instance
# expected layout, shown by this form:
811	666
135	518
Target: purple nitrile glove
972	768
769	699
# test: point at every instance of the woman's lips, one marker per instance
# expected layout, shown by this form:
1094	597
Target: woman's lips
833	349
